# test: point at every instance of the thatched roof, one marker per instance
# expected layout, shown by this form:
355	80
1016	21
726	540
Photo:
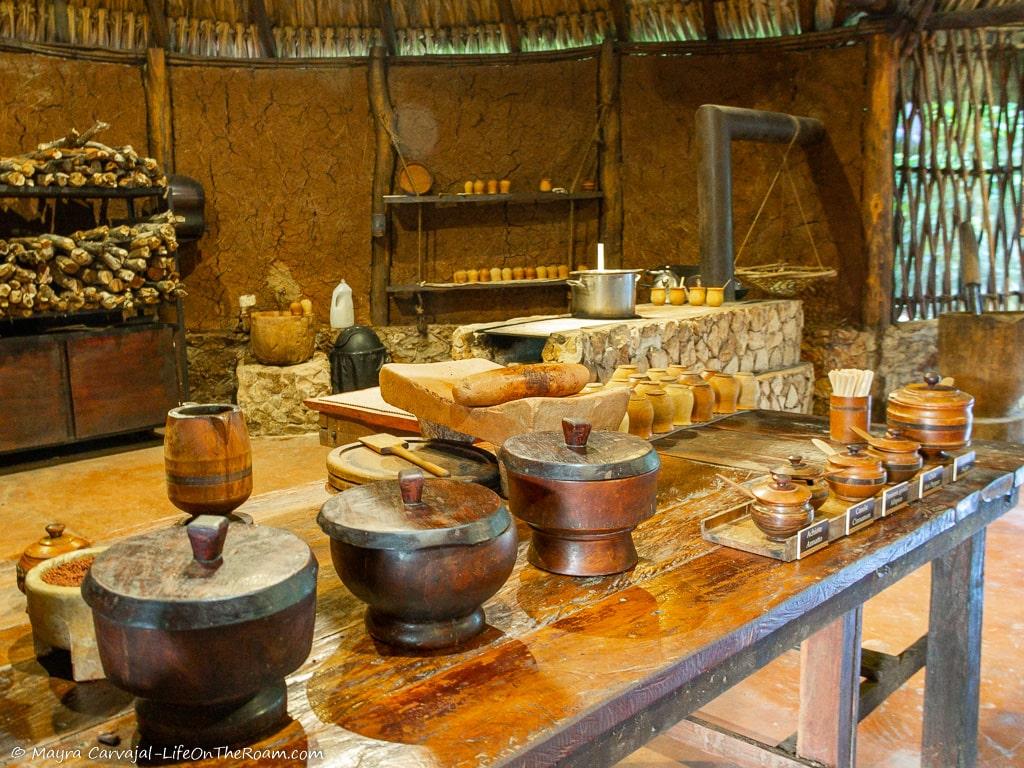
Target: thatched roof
345	28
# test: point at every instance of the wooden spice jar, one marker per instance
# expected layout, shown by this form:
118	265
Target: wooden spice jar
203	622
811	475
782	507
582	493
424	555
901	457
57	541
937	416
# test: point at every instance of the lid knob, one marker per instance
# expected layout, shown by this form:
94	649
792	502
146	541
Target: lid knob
797	462
576	432
55	530
931	379
206	534
783	482
854	449
410	483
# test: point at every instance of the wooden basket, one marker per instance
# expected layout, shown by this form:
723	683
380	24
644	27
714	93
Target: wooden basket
282	338
784	279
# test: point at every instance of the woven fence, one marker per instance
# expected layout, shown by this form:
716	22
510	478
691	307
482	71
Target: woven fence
959	151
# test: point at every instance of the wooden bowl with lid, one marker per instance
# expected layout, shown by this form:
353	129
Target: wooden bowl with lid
202	623
938	416
582	493
900	457
782	507
424	555
811	475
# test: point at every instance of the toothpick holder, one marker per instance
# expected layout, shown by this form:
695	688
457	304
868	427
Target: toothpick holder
844	413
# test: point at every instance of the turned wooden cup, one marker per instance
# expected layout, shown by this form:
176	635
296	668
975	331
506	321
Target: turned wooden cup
582	494
845	413
207	458
424	555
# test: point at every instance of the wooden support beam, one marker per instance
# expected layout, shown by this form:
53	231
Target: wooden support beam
877	184
697	732
991	16
510	26
158	35
610	152
951	684
707	8
385	126
620	15
386	20
805	13
830	693
61	32
258	16
158	109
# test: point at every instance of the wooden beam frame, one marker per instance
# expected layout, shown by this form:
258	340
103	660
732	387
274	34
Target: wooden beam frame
387	26
610	151
620	15
158	109
510	26
707	9
385	126
158	34
992	16
258	16
61	32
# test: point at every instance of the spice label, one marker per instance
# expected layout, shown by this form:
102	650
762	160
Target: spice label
895	497
962	464
860	515
811	538
930	480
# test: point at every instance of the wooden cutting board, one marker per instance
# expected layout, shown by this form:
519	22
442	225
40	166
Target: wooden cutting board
355	464
425	390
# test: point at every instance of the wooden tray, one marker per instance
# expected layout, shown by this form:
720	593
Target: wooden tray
836	518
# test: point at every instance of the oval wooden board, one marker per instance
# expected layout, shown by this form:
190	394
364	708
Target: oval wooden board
356	464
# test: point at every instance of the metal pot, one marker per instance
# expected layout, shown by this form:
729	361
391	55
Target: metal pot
605	293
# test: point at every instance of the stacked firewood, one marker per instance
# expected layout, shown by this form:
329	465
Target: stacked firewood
106	268
76	160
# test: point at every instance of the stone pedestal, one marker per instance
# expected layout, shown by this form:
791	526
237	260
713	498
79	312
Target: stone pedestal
271	395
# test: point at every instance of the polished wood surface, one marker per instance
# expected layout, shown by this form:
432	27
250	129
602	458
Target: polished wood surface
577	671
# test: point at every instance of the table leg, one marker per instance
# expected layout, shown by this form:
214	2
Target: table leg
951	695
830	692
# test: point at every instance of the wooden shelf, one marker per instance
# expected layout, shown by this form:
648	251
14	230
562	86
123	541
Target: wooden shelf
444	287
81	192
511	197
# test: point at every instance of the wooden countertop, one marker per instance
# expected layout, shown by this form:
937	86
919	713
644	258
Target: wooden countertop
567	668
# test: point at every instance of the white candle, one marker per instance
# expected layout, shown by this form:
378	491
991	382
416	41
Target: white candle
600	256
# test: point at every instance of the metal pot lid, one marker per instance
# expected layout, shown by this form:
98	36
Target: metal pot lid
414	513
576	453
600	272
206	574
799	469
931	394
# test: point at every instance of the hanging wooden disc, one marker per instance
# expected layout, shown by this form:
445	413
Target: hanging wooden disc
415	179
355	464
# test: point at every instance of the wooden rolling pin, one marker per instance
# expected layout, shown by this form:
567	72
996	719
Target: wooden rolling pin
385	444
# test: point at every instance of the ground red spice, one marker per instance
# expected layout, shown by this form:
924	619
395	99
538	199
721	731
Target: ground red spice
69	574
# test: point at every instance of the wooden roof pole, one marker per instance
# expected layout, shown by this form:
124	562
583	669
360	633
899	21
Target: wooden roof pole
384	124
610	152
386	20
258	17
510	26
158	36
620	15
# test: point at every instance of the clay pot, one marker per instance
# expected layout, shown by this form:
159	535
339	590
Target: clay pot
282	339
207	458
727	392
655	374
677	296
696	295
901	458
748	391
682	404
424	555
663	410
203	622
703	397
641	415
582	493
57	541
937	416
518	273
782	507
845	413
658	296
810	475
623	372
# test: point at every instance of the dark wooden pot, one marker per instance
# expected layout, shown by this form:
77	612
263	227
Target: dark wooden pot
207	458
780	521
582	495
205	638
938	417
424	555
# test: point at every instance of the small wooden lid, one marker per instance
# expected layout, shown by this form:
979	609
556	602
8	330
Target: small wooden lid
576	453
853	458
781	491
57	541
209	573
894	442
414	513
799	469
930	393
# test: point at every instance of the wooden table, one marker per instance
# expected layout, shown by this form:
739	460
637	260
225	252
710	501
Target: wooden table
583	671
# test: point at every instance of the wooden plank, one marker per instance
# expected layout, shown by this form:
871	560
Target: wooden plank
707	8
35	402
877	188
805	14
951	690
610	152
122	380
885	673
259	17
158	109
383	169
510	26
829	692
989	16
620	16
697	732
158	33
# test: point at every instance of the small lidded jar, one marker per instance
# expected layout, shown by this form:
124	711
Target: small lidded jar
938	416
782	508
56	542
810	475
